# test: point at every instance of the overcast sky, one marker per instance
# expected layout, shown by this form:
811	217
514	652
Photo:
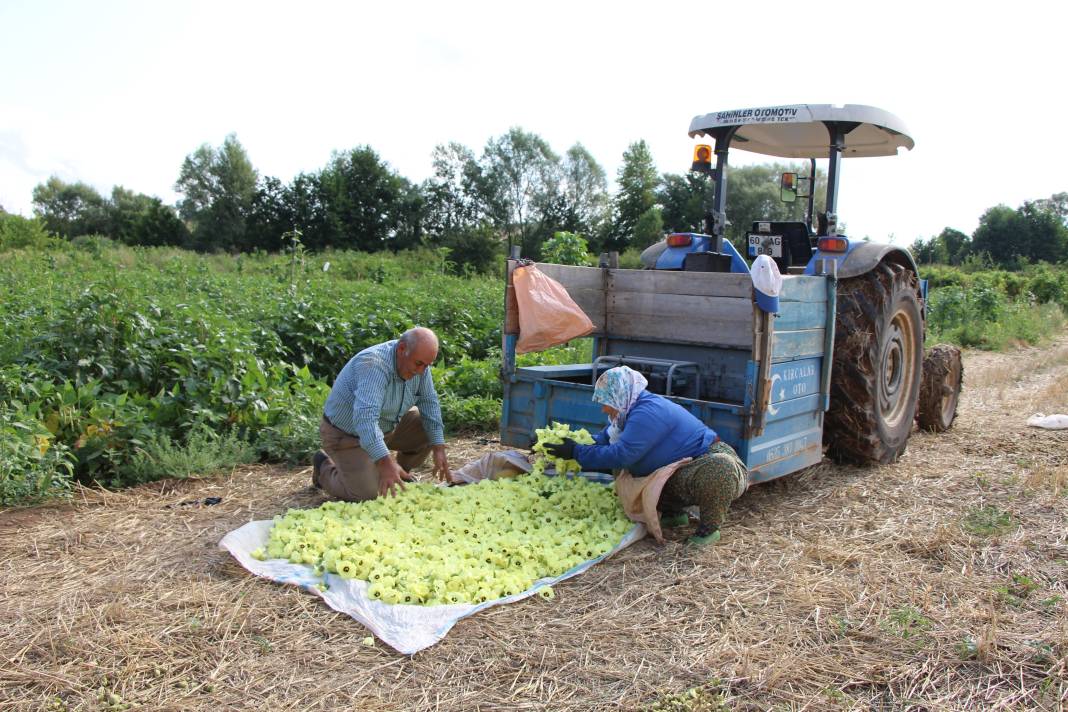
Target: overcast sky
120	92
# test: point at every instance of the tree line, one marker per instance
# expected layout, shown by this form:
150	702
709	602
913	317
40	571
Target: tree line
1037	231
517	190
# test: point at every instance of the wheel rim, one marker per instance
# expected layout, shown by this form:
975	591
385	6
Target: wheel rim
898	369
950	388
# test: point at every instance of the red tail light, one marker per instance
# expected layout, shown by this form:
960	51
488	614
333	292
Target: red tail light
679	239
833	244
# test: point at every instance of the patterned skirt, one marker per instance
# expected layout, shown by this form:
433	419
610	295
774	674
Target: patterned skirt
711	483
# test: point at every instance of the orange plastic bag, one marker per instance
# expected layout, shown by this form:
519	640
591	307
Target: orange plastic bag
548	316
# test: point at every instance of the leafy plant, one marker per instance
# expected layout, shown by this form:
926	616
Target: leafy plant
203	453
988	521
1017	590
565	248
906	622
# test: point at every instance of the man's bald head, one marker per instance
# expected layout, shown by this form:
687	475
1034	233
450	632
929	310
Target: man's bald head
419	335
417	348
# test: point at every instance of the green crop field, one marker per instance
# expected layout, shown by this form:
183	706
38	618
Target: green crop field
120	365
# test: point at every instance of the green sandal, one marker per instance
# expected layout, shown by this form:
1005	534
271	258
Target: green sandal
710	538
669	521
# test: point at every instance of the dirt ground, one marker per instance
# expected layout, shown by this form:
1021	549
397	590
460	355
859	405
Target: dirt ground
938	582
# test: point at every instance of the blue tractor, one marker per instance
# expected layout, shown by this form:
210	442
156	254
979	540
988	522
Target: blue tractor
837	366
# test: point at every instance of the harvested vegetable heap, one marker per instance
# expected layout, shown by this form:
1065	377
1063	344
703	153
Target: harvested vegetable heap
555	433
433	545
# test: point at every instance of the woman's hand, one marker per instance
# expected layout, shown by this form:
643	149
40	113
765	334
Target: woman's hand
566	449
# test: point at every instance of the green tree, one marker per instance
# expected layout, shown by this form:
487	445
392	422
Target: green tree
1031	233
304	207
924	251
1057	204
218	188
71	209
159	224
270	216
649	229
956	244
638	182
585	191
1046	232
367	204
126	208
999	235
139	219
473	248
684	199
523	173
456	195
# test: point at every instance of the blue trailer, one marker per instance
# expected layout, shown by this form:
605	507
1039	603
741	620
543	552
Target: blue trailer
840	367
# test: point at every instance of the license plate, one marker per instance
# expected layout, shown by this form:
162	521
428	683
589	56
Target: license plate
770	245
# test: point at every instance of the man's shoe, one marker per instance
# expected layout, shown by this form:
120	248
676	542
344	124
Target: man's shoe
669	521
317	464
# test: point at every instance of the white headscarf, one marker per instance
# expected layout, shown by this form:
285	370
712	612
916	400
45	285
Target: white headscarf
619	388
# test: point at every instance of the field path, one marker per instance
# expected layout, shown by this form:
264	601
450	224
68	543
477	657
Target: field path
934	583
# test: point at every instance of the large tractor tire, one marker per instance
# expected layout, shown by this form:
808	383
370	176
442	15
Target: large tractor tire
878	361
943	374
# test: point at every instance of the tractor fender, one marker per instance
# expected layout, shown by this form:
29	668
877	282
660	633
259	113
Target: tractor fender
864	256
651	254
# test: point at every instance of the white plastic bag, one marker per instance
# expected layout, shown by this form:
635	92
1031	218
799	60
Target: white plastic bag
1056	421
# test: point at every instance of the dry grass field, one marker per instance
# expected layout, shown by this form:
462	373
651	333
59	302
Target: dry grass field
936	583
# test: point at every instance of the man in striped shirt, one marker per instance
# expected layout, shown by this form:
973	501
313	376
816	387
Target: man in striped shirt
383	399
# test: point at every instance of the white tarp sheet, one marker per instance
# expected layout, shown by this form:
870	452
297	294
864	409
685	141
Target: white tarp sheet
407	629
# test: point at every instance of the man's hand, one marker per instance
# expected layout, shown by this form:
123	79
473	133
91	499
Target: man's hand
391	476
441	464
566	449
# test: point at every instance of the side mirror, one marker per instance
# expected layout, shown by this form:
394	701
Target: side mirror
788	187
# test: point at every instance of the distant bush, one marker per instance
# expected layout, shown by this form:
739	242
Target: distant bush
986	318
566	248
471	413
631	258
1049	285
19	232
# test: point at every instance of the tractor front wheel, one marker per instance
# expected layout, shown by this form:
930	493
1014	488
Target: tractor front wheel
878	360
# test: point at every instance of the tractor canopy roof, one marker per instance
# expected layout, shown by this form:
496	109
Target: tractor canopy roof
800	130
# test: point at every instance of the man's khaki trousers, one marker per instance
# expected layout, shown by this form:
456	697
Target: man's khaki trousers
350	474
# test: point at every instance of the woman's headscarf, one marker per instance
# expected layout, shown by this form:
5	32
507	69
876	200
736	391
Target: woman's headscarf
619	388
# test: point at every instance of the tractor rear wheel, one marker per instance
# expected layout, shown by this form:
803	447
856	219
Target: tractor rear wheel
943	373
878	359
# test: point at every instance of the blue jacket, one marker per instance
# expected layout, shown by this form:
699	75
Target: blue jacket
657	432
